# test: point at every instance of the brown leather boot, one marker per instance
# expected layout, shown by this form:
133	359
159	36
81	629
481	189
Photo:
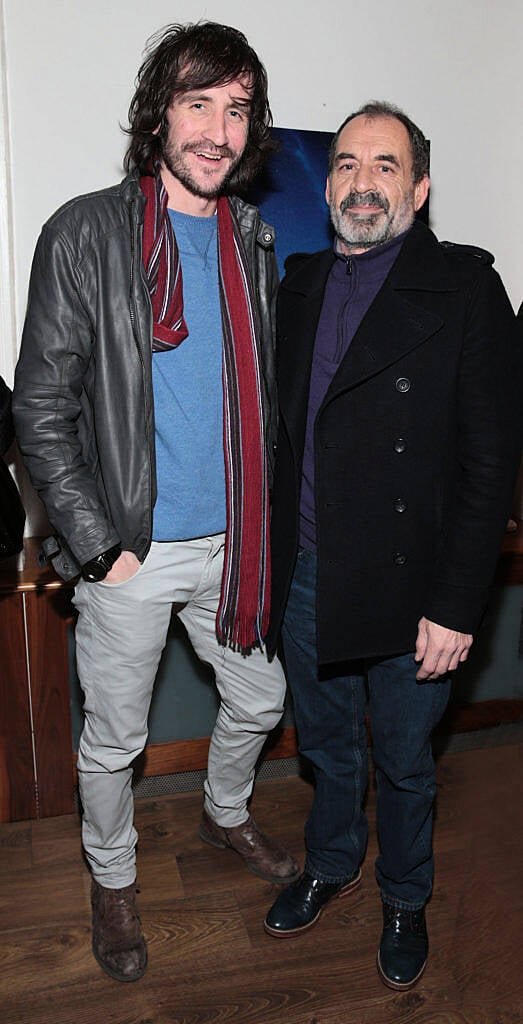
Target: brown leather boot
259	853
118	943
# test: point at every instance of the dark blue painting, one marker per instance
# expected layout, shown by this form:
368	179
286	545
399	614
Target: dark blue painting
291	192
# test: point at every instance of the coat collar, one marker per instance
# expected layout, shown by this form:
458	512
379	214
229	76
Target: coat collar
396	322
420	265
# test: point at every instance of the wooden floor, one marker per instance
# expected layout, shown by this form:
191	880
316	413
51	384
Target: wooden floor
210	961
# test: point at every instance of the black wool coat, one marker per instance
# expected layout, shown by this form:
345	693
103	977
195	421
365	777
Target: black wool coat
417	445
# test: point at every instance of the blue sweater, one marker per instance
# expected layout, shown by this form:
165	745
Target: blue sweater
188	397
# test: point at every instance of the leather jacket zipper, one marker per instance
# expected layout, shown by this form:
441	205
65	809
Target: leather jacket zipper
133	316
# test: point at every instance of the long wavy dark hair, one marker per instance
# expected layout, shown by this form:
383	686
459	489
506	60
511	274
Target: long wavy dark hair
183	58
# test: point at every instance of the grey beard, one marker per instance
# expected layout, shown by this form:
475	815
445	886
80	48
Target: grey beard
370	231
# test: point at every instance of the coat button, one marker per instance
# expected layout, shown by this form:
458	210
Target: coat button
400	505
403	384
267	237
400	444
399	558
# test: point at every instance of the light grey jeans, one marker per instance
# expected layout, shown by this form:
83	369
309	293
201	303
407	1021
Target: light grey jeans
120	635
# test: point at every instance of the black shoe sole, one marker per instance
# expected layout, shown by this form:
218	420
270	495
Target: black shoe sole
279	933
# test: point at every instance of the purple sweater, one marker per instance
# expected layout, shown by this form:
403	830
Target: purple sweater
352	285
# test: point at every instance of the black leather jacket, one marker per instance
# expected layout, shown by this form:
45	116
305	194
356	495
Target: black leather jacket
83	400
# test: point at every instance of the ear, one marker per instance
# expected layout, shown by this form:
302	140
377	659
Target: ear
328	191
164	124
421	191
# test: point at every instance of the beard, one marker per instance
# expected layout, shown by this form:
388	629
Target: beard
174	159
366	231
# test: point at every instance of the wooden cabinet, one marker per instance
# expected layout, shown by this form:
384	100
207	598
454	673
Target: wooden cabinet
36	759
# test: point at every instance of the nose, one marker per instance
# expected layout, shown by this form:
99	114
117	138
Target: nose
363	180
216	128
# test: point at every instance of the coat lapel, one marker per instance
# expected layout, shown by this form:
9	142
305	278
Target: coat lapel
392	327
299	307
397	322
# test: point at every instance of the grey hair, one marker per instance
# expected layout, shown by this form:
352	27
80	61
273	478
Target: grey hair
418	143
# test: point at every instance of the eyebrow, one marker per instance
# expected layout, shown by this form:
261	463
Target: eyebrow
195	94
237	102
388	158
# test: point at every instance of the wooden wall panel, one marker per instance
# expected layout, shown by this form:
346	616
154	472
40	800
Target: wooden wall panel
17	785
47	615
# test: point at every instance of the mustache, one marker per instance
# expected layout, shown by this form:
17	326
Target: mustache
203	145
355	199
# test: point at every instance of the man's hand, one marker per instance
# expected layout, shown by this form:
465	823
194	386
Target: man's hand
125	566
439	650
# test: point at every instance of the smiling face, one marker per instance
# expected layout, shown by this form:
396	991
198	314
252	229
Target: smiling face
370	191
202	143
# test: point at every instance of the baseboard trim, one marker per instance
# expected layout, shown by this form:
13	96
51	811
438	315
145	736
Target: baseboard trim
481	714
191	755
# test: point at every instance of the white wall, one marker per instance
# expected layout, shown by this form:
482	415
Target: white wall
455	68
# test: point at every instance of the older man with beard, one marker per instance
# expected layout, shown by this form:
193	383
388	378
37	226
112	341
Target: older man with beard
399	440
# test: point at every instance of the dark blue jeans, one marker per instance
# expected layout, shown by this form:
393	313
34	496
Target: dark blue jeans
330	719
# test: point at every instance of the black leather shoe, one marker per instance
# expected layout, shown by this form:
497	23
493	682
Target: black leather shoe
300	905
404	947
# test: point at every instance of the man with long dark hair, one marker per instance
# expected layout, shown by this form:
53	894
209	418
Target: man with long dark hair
144	408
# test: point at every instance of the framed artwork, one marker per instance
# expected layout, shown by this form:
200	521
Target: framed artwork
291	192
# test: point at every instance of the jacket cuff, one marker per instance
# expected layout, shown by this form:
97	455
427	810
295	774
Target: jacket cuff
459	608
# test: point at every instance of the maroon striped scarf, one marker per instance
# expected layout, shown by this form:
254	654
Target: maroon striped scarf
243	613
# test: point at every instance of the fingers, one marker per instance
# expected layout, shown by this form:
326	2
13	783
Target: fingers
439	650
126	565
421	641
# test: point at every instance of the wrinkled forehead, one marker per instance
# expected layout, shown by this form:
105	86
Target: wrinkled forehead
375	137
191	77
